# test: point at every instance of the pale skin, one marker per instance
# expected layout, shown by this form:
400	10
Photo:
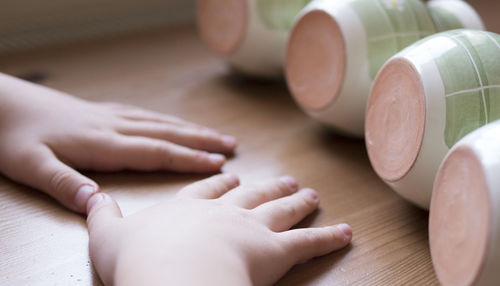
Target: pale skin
213	232
46	134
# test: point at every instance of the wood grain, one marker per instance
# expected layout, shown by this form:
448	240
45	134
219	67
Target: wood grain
170	71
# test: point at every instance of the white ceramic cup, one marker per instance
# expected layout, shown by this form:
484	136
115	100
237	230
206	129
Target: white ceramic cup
250	34
464	221
336	48
424	99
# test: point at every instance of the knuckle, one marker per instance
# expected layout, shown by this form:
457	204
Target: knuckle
288	210
260	195
200	142
60	180
158	149
310	237
159	156
200	156
29	158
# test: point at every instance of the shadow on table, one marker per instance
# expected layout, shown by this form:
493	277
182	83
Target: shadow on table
270	91
137	182
310	272
350	147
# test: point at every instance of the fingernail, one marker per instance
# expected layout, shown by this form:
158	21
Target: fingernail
290	182
346	229
312	193
232	178
93	201
229	141
216	158
83	194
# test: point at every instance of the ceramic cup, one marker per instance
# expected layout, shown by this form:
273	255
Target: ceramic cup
464	221
424	100
250	34
336	48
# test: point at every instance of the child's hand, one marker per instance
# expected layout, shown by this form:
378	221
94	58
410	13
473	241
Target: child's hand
44	134
211	233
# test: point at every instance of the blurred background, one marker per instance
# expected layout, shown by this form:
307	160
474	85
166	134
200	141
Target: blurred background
26	24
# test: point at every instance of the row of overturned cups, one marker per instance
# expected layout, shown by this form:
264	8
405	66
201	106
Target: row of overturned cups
417	80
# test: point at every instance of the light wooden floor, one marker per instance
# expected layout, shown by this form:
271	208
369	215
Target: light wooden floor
169	71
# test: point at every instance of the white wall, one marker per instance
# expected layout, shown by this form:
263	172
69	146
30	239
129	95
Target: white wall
31	23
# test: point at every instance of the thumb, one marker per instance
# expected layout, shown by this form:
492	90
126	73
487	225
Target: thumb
44	171
68	186
103	214
101	208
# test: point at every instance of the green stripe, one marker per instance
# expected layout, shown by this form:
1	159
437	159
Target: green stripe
486	46
492	66
279	14
402	21
394	24
375	25
464	112
423	16
444	19
464	38
456	68
390	26
465	108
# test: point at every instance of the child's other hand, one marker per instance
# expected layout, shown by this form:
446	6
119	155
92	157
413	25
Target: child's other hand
44	134
211	233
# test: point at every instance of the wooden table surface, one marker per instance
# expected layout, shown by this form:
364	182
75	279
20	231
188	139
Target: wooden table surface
169	71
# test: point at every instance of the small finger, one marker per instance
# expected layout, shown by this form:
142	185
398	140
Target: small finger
251	196
282	214
306	243
196	138
210	188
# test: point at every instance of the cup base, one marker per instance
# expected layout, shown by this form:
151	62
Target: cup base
315	60
460	218
222	24
395	119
